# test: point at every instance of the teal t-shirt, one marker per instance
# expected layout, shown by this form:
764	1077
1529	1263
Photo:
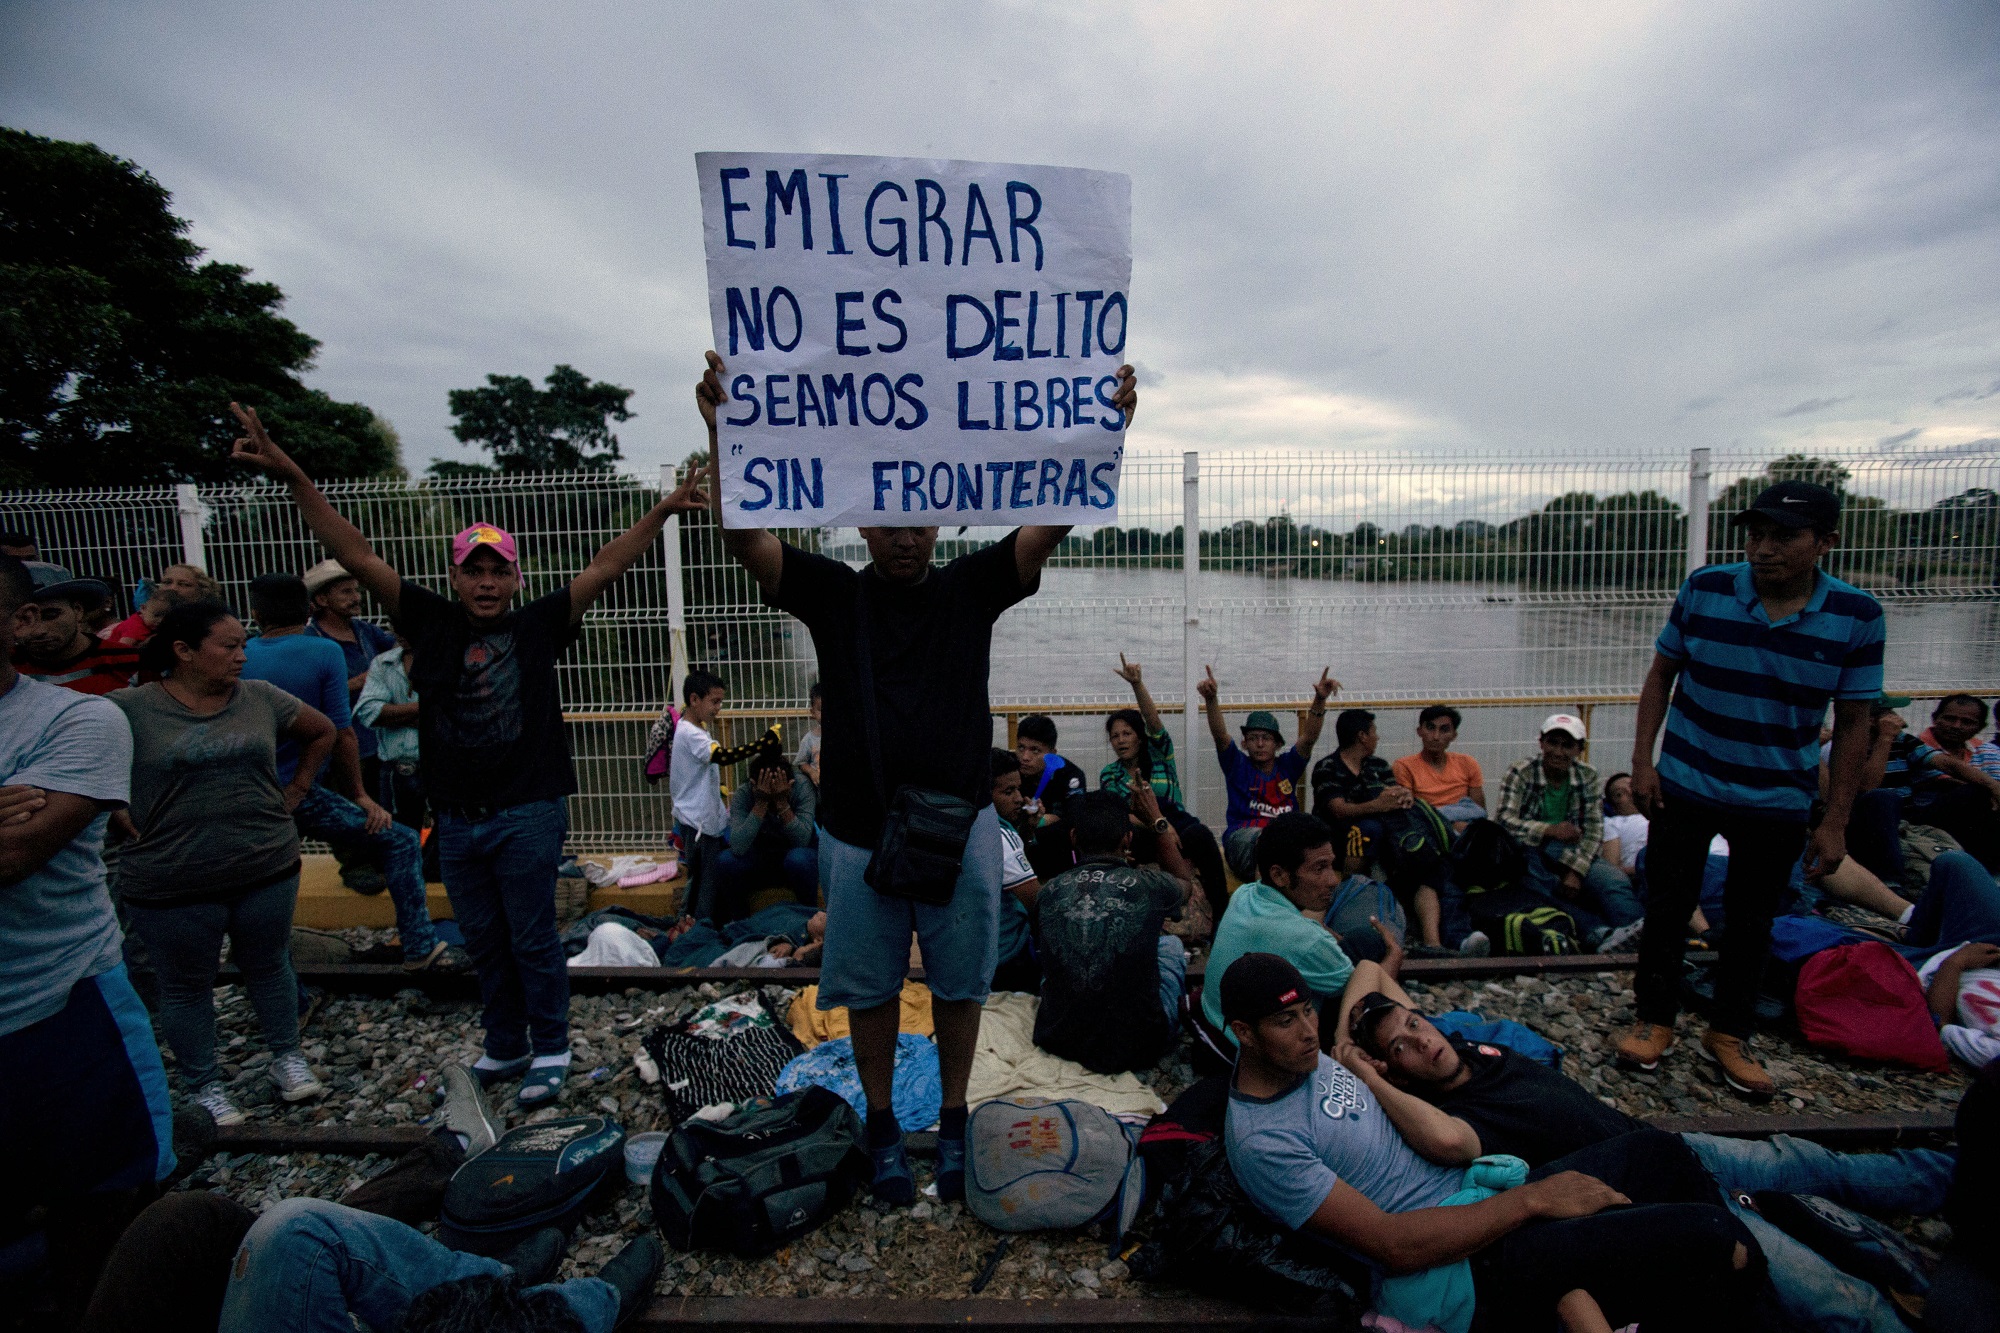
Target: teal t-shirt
1262	920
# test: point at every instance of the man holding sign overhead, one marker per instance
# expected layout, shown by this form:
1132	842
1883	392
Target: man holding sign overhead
864	303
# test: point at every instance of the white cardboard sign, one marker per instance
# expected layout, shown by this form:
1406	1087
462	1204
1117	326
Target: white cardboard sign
912	342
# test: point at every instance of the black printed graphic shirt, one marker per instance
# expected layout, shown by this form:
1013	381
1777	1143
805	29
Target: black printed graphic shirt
489	724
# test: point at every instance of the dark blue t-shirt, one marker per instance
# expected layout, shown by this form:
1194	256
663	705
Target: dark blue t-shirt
311	670
370	642
1256	797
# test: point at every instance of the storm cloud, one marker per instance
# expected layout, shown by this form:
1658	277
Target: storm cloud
1628	229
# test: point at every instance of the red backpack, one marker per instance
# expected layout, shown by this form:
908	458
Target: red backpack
1865	1000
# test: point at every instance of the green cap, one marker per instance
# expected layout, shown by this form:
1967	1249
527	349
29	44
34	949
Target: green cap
1893	701
1264	721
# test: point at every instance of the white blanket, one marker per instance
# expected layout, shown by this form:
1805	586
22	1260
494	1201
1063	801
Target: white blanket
1009	1064
613	945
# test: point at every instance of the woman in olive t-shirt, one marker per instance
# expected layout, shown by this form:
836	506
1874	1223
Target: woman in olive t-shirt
213	850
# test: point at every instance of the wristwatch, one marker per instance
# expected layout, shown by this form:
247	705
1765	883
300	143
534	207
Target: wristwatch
1161	825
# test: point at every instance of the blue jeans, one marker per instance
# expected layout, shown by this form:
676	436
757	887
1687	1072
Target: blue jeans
1605	900
737	877
1173	979
1961	904
1354	901
335	819
867	950
1812	1292
501	875
310	1266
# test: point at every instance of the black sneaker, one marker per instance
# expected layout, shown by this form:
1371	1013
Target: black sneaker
536	1259
632	1273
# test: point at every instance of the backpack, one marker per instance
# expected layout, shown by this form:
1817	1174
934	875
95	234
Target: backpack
1206	1235
762	1178
1416	846
536	1176
1865	1000
1036	1165
1522	923
1487	857
658	764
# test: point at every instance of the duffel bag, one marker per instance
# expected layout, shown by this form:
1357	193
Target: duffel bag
761	1178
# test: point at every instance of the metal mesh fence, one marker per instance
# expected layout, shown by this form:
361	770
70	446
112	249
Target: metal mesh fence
1512	585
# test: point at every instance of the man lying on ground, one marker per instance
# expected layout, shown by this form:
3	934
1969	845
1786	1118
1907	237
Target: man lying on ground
1495	1100
1112	983
1958	924
1320	1151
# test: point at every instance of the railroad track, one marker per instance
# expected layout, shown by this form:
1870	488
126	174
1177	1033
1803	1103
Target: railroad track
388	979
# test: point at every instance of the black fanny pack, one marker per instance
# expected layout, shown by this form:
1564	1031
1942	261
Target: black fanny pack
922	845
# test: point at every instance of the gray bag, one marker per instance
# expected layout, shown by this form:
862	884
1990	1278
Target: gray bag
1034	1164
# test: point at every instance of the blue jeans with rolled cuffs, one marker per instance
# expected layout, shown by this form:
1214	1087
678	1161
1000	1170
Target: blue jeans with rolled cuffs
335	819
501	875
311	1266
868	935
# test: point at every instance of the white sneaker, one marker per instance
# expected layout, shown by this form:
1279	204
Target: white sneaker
215	1100
1475	945
1621	939
294	1078
466	1111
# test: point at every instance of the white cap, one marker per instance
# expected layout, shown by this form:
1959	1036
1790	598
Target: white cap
1562	722
324	575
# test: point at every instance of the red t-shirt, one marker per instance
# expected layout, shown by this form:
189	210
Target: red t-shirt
104	667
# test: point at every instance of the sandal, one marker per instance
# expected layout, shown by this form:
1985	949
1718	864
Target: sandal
512	1069
540	1086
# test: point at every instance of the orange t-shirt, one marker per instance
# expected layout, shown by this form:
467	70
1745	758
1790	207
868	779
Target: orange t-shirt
1460	777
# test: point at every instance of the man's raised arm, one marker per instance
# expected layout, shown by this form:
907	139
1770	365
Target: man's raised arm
335	533
616	556
753	548
1034	545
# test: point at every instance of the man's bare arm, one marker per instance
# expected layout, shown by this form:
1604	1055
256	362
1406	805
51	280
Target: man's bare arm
29	838
762	554
335	533
616	556
1427	1237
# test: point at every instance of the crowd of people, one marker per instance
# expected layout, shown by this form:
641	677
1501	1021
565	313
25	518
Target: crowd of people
159	772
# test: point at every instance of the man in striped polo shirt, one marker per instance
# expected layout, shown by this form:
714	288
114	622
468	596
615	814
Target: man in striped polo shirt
1759	649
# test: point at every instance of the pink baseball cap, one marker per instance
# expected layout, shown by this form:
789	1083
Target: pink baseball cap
484	534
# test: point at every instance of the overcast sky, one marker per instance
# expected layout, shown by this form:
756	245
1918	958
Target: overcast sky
1629	228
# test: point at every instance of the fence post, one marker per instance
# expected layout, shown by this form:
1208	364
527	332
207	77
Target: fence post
1697	554
188	501
1191	621
677	647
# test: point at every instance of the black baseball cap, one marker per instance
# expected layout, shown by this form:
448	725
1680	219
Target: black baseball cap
1369	1011
1795	504
1258	985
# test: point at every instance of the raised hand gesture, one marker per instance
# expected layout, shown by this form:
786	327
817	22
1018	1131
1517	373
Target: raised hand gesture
1206	686
708	395
688	497
1325	687
256	447
1126	671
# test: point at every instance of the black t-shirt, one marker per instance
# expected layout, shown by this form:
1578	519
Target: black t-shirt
931	643
489	720
1331	777
1098	926
1055	784
1521	1107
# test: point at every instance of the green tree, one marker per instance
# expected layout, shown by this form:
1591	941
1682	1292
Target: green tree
120	351
565	427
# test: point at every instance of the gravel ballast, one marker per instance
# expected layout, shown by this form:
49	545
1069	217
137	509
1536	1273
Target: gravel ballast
380	1058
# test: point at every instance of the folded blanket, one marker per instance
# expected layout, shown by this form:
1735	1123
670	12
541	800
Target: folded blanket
1009	1064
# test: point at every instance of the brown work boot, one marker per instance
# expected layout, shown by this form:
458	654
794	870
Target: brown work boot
1644	1045
1732	1056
